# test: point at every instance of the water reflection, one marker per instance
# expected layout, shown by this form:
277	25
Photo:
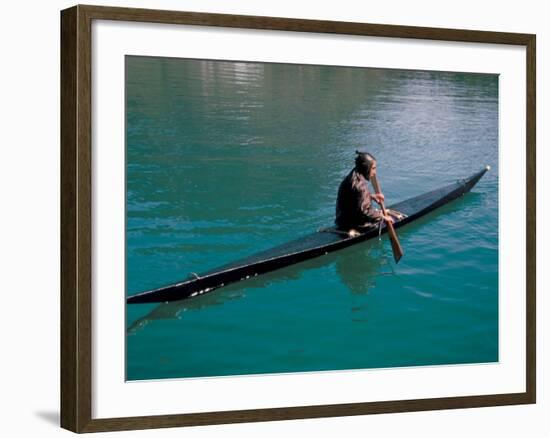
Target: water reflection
175	309
357	268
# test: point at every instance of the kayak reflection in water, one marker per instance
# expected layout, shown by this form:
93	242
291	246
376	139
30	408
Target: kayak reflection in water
354	207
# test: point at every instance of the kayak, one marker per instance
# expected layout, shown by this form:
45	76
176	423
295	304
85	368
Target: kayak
313	245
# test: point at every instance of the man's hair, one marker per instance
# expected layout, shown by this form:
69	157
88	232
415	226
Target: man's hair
364	161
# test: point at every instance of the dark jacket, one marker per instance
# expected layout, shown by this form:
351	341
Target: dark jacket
354	206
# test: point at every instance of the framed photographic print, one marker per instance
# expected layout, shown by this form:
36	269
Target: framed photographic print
268	218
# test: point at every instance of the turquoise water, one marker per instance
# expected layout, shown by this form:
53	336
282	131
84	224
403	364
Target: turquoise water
225	159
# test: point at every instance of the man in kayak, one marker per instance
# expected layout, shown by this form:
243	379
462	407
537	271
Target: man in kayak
354	207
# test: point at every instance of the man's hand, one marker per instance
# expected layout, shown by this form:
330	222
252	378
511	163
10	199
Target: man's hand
388	218
378	197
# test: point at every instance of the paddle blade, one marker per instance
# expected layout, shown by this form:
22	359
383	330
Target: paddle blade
395	245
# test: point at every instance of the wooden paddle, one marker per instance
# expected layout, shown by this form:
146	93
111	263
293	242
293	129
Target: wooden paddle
395	245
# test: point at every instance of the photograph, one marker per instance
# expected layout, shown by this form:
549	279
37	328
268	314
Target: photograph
299	218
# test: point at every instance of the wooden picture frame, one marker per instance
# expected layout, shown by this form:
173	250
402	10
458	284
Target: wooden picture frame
76	217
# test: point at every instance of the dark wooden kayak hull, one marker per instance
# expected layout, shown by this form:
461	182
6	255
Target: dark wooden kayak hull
307	247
